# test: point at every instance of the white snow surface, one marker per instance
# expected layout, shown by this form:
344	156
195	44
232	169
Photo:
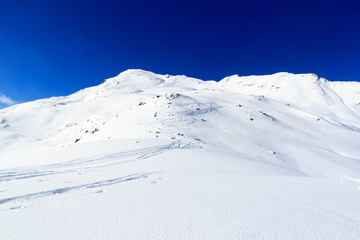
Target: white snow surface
149	156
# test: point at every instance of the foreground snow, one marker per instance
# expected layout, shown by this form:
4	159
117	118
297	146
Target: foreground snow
146	156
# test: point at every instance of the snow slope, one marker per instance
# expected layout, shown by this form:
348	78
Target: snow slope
149	156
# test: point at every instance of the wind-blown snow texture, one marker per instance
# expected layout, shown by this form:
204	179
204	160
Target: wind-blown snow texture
148	156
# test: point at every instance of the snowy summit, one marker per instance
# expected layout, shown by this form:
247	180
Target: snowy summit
149	156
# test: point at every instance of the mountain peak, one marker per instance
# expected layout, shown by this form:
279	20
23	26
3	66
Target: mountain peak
136	72
301	89
281	143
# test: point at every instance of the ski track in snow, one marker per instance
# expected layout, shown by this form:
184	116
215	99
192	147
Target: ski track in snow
77	187
71	169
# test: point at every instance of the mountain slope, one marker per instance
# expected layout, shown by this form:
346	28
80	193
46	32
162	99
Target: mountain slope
253	157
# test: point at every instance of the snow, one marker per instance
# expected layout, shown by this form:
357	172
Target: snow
150	156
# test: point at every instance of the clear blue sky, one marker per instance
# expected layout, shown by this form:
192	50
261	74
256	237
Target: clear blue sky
51	48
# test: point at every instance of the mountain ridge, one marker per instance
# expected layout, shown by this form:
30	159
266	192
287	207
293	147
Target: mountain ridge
147	156
144	105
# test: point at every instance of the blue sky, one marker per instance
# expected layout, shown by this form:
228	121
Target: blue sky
51	48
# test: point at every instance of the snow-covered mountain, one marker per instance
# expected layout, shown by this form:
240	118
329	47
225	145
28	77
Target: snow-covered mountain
149	156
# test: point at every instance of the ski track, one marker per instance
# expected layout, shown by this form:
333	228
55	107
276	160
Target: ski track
76	167
77	187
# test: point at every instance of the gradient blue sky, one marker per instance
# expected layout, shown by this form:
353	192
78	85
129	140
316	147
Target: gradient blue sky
51	48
